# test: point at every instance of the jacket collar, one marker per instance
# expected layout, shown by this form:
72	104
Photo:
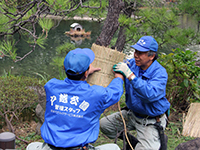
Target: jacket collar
149	70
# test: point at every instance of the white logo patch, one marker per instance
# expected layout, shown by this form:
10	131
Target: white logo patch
141	42
84	105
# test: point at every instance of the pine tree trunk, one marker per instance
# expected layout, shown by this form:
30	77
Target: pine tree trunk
111	23
121	40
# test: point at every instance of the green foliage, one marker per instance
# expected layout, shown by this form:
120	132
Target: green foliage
161	23
59	5
88	8
10	6
124	20
91	9
58	60
5	74
98	13
180	36
41	41
64	48
44	77
183	77
16	94
3	24
62	74
46	24
8	48
123	100
29	13
191	7
62	51
6	23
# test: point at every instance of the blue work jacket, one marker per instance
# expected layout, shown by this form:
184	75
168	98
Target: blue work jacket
73	109
146	94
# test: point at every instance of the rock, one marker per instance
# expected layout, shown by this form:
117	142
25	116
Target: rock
40	108
189	145
38	128
197	63
40	114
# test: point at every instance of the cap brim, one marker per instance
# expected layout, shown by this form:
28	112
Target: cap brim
85	51
139	48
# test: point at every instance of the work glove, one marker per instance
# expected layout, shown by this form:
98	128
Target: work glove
122	68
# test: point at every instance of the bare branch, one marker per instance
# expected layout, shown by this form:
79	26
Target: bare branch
21	58
22	140
28	32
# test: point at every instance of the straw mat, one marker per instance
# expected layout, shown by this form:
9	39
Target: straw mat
105	58
191	126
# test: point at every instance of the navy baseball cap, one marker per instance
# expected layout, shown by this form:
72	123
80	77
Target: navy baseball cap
146	43
78	60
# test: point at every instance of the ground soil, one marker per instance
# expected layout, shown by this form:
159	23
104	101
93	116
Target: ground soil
22	130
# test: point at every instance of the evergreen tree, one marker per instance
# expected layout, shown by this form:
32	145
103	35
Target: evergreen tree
127	19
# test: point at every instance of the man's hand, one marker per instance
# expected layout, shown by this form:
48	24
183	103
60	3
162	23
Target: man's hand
92	69
122	68
118	75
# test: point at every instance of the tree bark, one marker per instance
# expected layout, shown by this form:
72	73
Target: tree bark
111	23
121	40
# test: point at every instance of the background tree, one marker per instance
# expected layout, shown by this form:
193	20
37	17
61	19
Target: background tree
190	7
124	18
124	22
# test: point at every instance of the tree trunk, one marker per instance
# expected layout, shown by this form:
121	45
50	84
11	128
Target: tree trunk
121	40
111	23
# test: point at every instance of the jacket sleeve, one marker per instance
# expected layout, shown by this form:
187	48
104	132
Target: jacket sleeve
152	89
114	92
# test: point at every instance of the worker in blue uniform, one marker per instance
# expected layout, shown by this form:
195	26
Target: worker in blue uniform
145	85
73	107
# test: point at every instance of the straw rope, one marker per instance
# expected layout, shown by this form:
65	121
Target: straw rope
125	130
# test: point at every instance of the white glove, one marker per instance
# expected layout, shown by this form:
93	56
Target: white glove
122	68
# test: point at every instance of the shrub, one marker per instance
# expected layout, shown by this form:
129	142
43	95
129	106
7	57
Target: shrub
183	78
16	95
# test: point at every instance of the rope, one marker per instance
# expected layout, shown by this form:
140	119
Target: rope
125	131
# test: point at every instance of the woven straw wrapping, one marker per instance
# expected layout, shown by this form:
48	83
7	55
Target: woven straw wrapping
192	121
105	58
